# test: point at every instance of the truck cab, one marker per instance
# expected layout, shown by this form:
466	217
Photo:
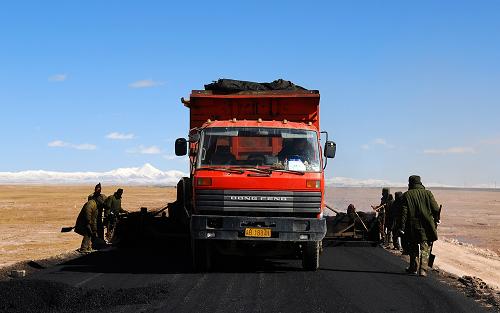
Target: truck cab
256	184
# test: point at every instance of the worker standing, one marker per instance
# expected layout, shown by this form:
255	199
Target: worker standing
385	204
113	207
419	216
396	209
99	199
86	225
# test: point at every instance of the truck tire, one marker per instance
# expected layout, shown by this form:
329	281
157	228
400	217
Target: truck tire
180	212
310	255
201	255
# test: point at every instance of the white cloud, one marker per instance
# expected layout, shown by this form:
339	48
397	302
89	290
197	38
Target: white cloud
57	143
145	150
84	146
170	157
145	175
452	150
62	144
120	136
146	83
377	142
491	141
150	150
58	78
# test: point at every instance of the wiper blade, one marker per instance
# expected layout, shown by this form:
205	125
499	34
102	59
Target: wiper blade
255	169
288	171
222	169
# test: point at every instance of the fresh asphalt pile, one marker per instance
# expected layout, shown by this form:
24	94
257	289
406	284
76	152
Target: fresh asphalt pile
47	296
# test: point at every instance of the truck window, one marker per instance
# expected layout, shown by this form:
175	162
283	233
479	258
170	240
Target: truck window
260	147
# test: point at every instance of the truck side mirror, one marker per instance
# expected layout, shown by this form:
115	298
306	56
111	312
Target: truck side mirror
180	146
330	149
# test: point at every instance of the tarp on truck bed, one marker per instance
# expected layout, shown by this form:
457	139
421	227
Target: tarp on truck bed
231	85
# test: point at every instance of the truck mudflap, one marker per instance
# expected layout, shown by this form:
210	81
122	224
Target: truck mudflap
215	227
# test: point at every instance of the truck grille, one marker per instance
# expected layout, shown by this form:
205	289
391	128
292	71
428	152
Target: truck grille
248	201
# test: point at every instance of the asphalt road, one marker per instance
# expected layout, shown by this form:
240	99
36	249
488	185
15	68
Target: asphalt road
350	279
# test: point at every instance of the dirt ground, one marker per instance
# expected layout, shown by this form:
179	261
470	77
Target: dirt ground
31	218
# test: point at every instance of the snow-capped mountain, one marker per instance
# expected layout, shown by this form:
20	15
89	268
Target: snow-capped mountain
149	175
370	182
145	175
352	182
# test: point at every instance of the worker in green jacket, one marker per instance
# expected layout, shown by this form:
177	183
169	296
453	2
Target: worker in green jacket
99	199
86	225
419	218
396	209
381	209
113	208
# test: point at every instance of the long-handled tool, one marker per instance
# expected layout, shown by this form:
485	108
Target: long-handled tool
332	209
432	257
364	225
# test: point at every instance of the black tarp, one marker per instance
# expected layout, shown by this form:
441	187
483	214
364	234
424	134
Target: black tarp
231	85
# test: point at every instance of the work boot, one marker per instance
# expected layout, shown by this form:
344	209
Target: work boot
410	271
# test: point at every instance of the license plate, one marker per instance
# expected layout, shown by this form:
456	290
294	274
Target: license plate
258	232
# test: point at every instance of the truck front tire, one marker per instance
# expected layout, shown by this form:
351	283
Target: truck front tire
310	255
180	212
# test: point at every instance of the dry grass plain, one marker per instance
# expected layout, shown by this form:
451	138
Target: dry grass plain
31	218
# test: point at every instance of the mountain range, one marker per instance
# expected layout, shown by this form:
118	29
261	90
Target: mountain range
150	175
145	175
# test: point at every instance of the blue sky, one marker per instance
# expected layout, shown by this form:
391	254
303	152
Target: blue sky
407	86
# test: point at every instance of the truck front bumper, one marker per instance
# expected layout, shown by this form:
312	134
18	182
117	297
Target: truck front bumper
291	229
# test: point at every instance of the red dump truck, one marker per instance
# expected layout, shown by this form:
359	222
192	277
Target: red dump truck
256	184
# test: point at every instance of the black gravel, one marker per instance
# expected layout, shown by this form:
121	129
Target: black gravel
351	278
45	296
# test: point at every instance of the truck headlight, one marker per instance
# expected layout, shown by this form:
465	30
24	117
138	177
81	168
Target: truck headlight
204	181
313	184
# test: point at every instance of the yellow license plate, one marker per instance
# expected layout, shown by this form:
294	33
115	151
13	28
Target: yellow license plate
258	232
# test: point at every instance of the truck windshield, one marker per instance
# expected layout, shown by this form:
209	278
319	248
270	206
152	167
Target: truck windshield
254	147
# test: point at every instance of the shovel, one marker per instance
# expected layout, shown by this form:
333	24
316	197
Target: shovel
432	257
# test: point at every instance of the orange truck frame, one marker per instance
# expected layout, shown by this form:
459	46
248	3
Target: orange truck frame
256	184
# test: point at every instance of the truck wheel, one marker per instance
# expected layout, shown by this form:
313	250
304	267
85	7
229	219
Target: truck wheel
180	212
201	255
310	256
